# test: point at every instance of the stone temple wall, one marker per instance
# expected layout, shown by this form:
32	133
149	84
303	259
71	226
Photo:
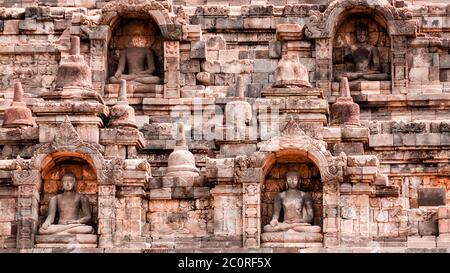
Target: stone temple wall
378	175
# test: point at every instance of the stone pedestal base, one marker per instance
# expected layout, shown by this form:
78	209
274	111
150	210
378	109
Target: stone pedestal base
135	90
443	240
292	238
292	245
369	87
66	241
298	92
74	93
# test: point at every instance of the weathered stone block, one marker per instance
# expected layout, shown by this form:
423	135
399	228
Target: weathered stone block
198	50
444	75
444	61
230	23
443	213
33	12
192	66
264	65
444	226
228	55
183	192
224	79
289	32
216	43
210	66
431	197
362	188
5	228
404	140
165	193
419	74
422	242
257	23
428	227
237	66
443	241
381	140
349	148
430	139
7	209
230	150
27	25
362	160
434	74
11	27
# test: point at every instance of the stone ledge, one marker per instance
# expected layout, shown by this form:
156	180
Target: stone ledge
236	250
419	140
16	135
439	100
179	193
68	107
121	136
70	241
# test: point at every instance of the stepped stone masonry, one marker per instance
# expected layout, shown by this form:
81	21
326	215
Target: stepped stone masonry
246	126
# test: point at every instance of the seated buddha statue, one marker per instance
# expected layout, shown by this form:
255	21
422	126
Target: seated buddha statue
297	207
136	66
292	202
72	208
365	59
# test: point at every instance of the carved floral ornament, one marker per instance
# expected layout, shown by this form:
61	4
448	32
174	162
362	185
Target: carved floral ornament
250	168
322	25
66	140
293	137
135	6
160	11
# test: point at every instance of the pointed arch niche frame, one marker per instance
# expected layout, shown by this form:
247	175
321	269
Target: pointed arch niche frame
292	142
172	28
323	26
27	177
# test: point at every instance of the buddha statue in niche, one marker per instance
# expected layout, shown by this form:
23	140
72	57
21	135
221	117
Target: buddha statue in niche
136	63
72	208
295	230
292	201
364	57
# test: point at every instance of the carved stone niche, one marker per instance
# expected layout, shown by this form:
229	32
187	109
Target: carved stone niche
310	183
294	150
55	166
326	27
275	182
136	54
361	52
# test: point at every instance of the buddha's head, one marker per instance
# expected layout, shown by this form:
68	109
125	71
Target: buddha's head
137	33
292	180
68	182
138	41
361	32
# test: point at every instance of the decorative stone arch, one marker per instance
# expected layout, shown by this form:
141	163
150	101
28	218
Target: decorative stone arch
251	172
323	25
399	25
173	27
158	11
27	176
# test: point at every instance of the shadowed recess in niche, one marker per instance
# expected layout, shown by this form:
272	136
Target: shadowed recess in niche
136	33
361	49
275	182
54	169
